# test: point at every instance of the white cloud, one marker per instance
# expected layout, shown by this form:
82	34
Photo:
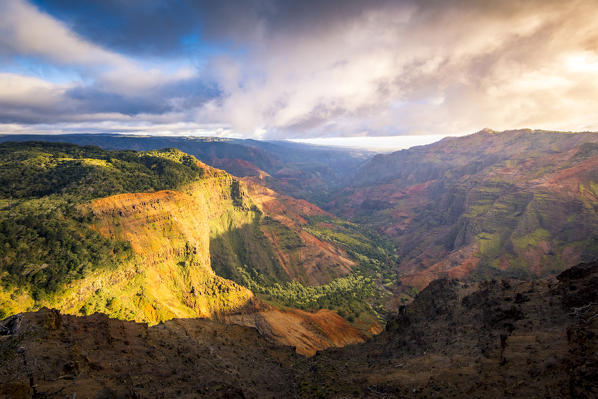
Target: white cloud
379	68
18	90
454	69
26	31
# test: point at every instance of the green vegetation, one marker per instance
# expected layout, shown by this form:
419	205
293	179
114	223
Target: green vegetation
375	254
368	287
45	238
246	249
35	170
592	188
531	239
43	248
245	255
353	296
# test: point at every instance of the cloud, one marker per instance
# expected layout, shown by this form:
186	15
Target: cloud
133	26
24	30
280	69
108	86
417	67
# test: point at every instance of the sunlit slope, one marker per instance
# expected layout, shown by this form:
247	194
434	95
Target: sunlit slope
150	236
518	203
141	256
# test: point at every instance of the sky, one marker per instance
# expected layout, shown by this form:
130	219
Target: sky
307	70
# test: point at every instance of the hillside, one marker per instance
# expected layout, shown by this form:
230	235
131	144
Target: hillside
495	339
517	203
151	236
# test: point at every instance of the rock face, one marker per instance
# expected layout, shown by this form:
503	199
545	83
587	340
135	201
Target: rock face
45	354
495	339
493	204
169	232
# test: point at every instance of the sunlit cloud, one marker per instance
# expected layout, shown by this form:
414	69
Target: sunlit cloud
275	69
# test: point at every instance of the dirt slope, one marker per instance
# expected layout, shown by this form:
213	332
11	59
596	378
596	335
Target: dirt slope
307	332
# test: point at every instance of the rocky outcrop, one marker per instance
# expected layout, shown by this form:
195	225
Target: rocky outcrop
46	354
504	338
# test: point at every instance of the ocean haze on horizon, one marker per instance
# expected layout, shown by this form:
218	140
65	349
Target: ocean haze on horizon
378	144
297	70
374	143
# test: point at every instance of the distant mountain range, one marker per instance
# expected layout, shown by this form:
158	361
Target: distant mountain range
518	203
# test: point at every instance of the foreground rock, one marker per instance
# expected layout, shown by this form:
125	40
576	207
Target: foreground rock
45	354
494	339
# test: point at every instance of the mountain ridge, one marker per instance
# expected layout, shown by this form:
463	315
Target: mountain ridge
488	204
301	170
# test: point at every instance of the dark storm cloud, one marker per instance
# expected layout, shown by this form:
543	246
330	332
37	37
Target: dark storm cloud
158	26
131	26
92	100
82	102
174	97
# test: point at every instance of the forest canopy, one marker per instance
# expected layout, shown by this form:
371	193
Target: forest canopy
45	239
